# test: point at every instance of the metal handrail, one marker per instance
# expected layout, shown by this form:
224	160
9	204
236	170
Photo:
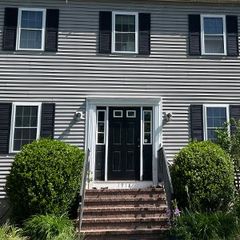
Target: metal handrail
82	191
165	176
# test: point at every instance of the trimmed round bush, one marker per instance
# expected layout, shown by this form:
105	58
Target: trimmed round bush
45	178
203	177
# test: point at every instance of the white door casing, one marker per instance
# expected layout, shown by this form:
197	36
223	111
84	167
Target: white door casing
91	108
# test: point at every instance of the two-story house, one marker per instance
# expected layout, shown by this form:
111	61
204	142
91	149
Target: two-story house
120	78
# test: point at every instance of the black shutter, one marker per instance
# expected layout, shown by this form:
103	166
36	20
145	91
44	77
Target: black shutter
5	121
194	35
10	29
196	115
105	32
52	23
232	35
144	33
234	114
47	120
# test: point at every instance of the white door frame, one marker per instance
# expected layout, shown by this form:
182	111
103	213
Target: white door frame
91	107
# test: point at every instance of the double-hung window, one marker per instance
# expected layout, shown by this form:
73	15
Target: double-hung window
215	116
213	35
25	125
31	29
125	32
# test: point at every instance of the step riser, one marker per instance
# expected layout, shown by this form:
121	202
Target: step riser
124	204
127	237
104	197
120	225
120	215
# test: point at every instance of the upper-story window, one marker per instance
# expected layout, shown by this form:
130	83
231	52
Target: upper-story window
125	32
31	29
213	35
215	117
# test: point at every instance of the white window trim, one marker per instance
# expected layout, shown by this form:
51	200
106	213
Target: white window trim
129	116
205	106
116	116
19	28
114	32
13	117
203	34
151	129
104	133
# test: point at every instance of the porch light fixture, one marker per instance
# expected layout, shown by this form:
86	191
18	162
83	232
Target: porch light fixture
79	115
168	116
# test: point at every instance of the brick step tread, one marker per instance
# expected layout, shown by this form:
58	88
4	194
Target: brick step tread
124	231
127	199
127	225
132	196
158	236
126	220
127	237
119	191
161	208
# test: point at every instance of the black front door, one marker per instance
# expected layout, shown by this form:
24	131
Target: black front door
124	143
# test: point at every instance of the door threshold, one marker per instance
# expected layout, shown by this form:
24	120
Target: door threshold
120	184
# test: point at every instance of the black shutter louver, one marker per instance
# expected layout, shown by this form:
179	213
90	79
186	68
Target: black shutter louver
52	23
144	33
5	124
234	114
47	120
232	35
194	25
10	29
105	32
196	116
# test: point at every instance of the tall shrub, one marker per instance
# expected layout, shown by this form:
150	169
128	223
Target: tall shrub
203	177
45	178
230	142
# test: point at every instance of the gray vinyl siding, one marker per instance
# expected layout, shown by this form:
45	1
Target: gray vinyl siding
77	70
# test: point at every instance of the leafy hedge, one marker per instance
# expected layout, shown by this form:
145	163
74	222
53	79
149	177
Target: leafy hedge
203	177
45	178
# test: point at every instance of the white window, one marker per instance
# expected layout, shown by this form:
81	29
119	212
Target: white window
31	29
147	127
213	34
117	113
101	114
131	114
25	125
125	32
214	118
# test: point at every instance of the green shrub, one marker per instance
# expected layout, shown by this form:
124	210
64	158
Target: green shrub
205	226
49	227
44	179
203	177
8	232
230	142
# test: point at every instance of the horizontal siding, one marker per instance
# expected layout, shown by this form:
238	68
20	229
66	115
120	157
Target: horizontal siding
77	70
